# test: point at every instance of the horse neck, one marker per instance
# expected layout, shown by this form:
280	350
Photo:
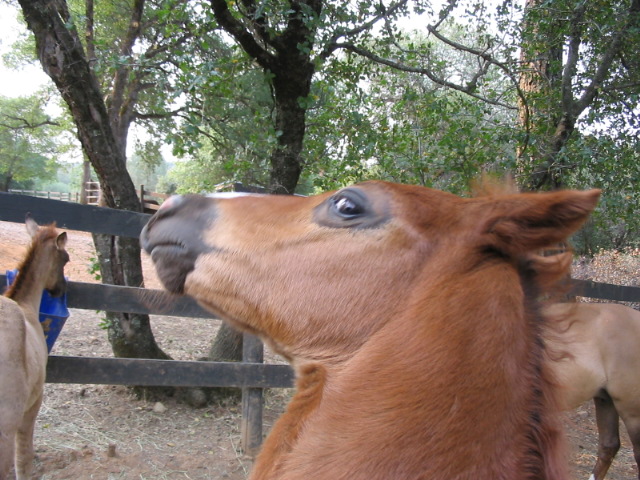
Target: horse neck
474	345
27	287
491	325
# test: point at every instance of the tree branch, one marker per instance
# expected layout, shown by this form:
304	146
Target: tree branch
422	71
237	30
573	56
487	57
622	86
89	31
254	16
159	115
632	20
333	44
26	124
121	76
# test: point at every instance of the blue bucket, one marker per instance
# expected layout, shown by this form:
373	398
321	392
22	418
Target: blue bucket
53	312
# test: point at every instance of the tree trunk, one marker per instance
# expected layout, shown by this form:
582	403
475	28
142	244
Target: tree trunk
6	182
287	61
226	347
291	84
551	56
539	106
63	59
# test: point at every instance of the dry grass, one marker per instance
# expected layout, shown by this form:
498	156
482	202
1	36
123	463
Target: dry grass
79	424
610	266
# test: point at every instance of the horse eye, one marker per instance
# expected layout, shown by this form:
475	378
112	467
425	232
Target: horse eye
347	207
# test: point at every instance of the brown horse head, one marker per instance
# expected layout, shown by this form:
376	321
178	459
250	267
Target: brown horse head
44	262
267	263
413	310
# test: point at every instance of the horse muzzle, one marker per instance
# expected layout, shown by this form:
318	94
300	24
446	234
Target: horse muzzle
59	290
174	237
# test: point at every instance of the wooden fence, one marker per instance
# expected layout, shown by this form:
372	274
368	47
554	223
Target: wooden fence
251	374
149	201
64	196
92	192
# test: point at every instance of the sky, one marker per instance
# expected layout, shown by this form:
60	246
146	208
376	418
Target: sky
21	82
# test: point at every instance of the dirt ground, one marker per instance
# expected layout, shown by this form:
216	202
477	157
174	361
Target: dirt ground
105	433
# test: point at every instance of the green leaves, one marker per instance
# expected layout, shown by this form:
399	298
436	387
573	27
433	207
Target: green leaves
457	110
610	162
30	142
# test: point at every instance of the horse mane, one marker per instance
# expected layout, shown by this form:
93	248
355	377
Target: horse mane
546	433
45	233
543	276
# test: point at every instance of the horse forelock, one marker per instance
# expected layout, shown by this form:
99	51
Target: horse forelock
491	186
45	232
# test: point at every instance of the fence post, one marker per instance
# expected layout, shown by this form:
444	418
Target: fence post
142	198
92	193
252	399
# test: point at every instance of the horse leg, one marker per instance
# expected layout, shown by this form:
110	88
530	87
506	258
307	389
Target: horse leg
6	450
24	443
607	420
633	429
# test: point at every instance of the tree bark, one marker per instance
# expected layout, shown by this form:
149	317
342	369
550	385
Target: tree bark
290	85
86	178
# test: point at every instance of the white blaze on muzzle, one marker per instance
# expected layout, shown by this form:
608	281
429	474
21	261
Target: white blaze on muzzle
173	200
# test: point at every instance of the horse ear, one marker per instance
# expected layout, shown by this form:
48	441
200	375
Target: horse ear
32	226
61	241
532	221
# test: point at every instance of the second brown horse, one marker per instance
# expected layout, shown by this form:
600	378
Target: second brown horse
598	348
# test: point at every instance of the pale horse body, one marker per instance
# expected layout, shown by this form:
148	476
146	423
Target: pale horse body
23	349
599	350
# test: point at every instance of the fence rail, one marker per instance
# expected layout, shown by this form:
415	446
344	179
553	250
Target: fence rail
63	196
251	375
149	201
167	373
